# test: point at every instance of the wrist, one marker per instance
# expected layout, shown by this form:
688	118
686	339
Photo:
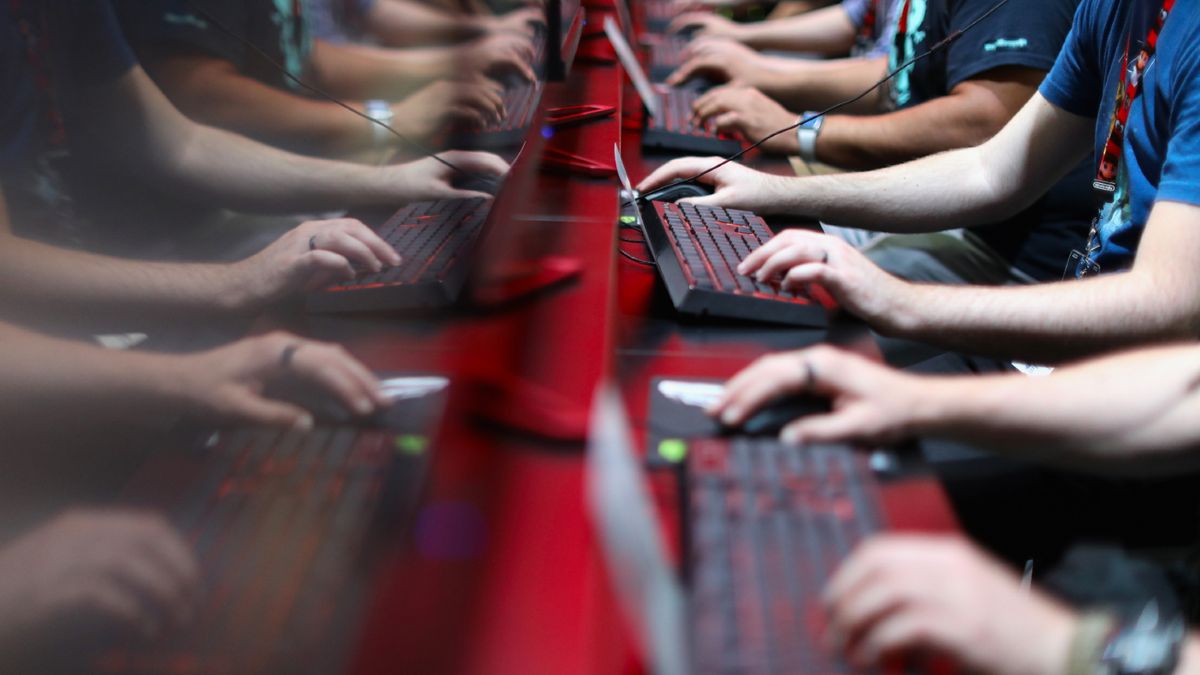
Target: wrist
1050	652
237	291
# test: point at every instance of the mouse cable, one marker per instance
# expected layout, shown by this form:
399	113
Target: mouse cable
428	152
640	261
942	44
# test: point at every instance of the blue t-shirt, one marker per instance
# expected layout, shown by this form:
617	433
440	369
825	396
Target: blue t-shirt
48	50
338	20
1161	157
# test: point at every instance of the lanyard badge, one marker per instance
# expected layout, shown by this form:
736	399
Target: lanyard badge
1104	185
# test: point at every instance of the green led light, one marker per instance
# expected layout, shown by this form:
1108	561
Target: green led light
411	445
673	450
628	220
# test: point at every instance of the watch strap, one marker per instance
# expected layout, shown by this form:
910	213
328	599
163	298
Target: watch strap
806	136
1092	634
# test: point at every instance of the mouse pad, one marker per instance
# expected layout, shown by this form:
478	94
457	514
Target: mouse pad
676	415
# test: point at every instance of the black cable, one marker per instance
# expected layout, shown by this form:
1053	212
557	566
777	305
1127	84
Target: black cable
429	152
636	259
942	44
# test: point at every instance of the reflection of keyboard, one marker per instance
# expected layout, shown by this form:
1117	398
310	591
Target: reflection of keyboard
768	525
675	130
666	55
435	241
697	250
280	522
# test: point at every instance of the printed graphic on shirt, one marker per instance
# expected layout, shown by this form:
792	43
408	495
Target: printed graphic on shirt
294	39
908	44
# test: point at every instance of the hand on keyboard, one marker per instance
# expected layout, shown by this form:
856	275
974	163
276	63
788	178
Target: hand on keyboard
720	59
746	111
427	179
499	55
871	403
443	105
794	259
706	24
122	569
311	256
226	384
908	595
737	187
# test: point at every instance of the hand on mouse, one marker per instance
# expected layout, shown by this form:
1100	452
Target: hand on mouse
124	568
871	404
736	186
311	256
749	113
226	384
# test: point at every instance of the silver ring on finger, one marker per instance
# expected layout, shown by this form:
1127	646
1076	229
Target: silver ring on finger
288	355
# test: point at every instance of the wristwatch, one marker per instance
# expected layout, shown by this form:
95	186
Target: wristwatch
380	111
1147	646
806	135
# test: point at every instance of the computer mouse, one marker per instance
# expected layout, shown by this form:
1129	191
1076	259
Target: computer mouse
773	417
673	193
477	182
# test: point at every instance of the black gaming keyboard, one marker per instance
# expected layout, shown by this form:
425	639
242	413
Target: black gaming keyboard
279	521
697	250
768	524
675	130
435	240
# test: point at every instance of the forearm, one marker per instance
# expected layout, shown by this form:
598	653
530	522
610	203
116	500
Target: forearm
909	197
44	381
40	282
217	95
397	23
826	31
816	85
874	141
1070	416
364	72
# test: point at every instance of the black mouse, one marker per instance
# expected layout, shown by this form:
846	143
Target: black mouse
773	417
477	182
673	193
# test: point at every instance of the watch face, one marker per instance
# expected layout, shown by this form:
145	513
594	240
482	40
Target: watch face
1141	651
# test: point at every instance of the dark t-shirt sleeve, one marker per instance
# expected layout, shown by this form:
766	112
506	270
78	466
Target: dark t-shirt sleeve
1075	83
98	51
171	26
1026	33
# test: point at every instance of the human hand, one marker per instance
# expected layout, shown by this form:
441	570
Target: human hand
748	112
901	595
227	384
684	5
736	186
471	104
498	55
428	178
524	21
796	258
871	404
720	59
706	24
312	256
123	568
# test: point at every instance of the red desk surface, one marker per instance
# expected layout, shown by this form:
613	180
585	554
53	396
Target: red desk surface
521	588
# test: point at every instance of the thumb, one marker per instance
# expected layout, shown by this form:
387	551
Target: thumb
834	427
322	268
714	199
258	410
